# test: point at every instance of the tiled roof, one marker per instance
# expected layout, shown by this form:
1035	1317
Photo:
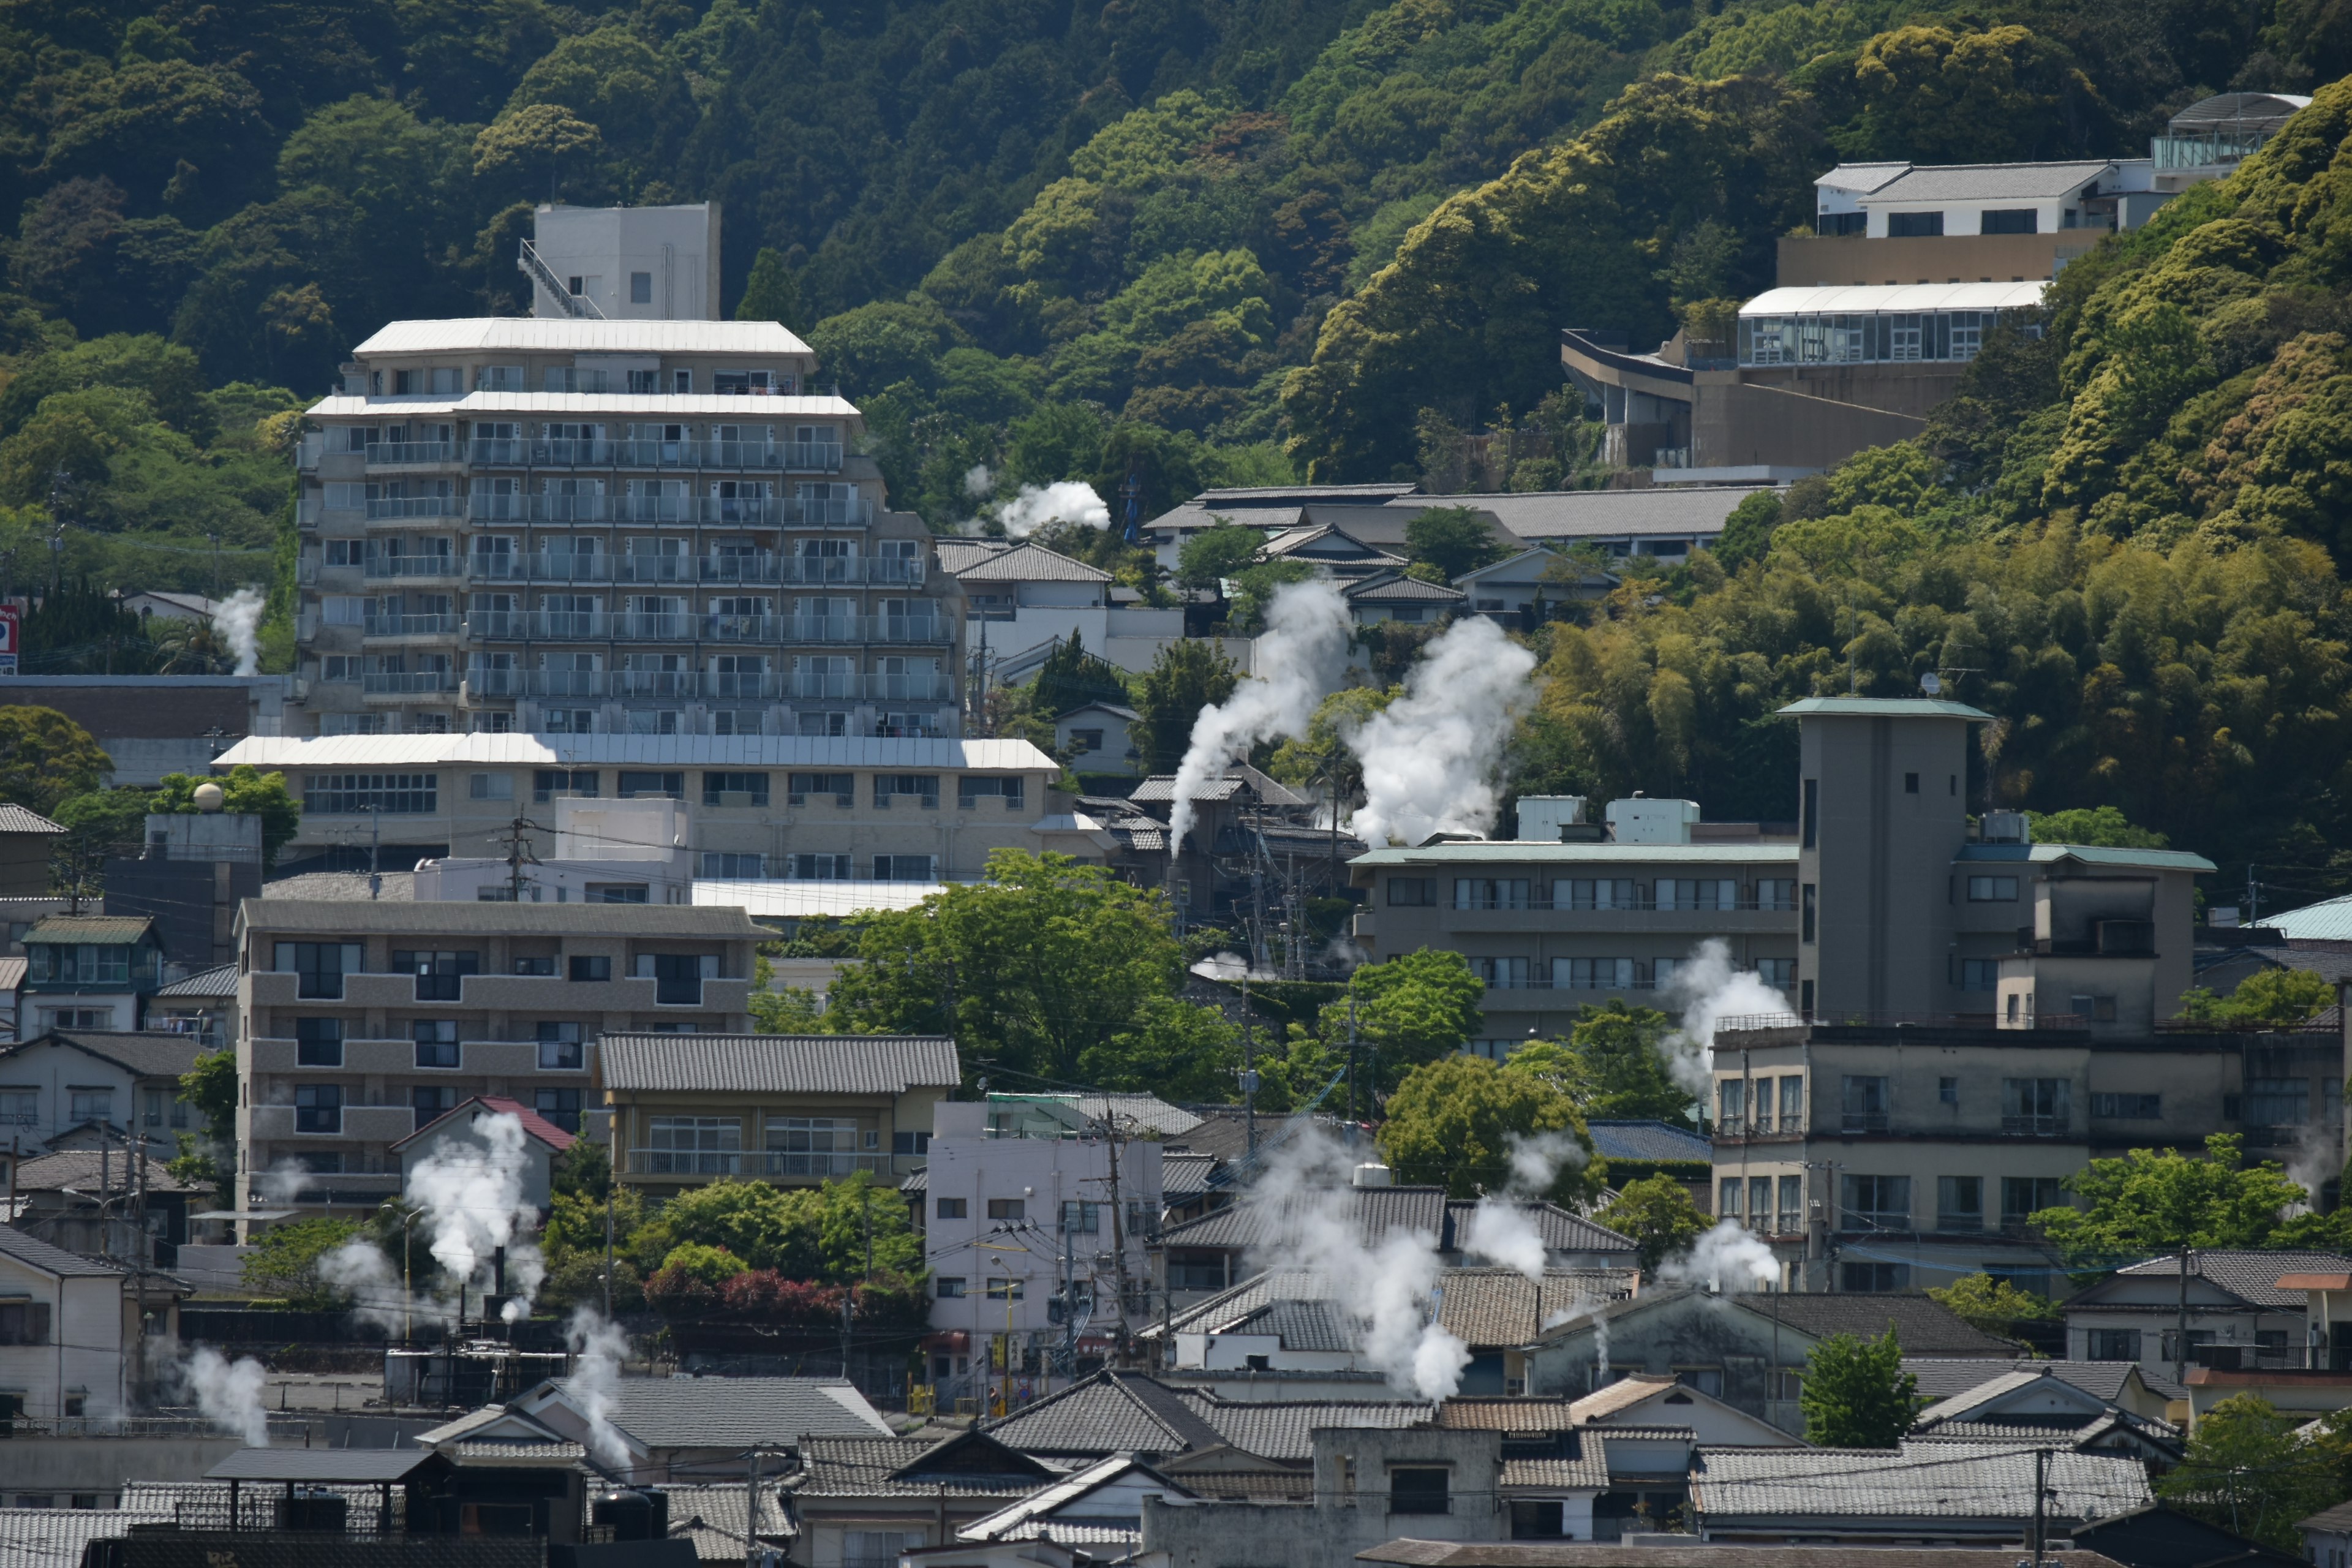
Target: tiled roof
24	819
778	1064
955	554
1298	1326
1923	1327
1029	563
738	1412
1941	1377
1988	182
713	1517
538	1126
1478	1414
1023	1520
1108	1413
1586	1470
1160	788
1648	1141
79	1169
873	1467
1145	1110
1399	589
54	1260
391	886
456	917
2251	1277
1184	1175
1561	1230
1711	1555
150	1053
1626	1392
57	1537
217	981
1284	1429
1373	1211
1930	1480
1669	511
102	929
918	1180
1495	1308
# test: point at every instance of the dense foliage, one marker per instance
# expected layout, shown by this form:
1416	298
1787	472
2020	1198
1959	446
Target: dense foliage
1856	1395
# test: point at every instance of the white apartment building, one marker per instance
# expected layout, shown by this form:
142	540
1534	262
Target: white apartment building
575	524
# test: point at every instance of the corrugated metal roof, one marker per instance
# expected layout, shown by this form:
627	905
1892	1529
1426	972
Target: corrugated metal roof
1028	563
350	1465
1878	298
1694	512
2330	920
457	916
1988	182
16	818
517	748
2089	854
555	336
58	1537
1933	1480
778	1064
1881	707
1647	1141
1541	852
216	982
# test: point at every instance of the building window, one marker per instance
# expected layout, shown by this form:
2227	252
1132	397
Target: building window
546	783
1420	1490
319	1108
2277	1102
801	787
1980	974
1993	889
1864	1103
1001	1288
2010	220
1007	1208
1410	892
1793	1206
910	1143
1778	973
1875	1203
969	792
1607	893
436	1042
692	1146
20	1107
319	1042
1082	1217
1776	893
89	1104
2129	1107
391	795
591	966
432	1102
1812	810
24	1323
1490	893
735	789
821	869
1910	784
1879	1278
2111	1344
1915	225
1196	1270
319	967
922	789
1948	1091
1960	1202
440	975
678	977
489	786
950	1286
952	1208
2036	1106
1792	1104
1731	1099
641	287
637	783
720	866
560	1107
1592	974
560	1048
1805	930
2022	1197
903	868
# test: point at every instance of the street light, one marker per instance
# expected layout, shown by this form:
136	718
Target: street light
407	1218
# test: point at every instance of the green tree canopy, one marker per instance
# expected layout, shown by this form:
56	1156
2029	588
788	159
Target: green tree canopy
1856	1394
770	294
1455	1122
285	1261
1172	1047
1184	678
244	788
1410	1010
2151	1201
1625	1074
1657	1216
2098	825
1215	553
1452	538
2247	1471
2268	999
1995	1306
46	757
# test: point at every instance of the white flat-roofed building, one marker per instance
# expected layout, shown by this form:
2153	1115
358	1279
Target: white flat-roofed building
1877	324
579	525
1935	200
760	808
654	263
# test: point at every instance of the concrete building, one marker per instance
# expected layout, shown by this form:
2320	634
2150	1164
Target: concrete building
1101	738
687	1109
459	1133
1022	598
27	841
2246	1312
1903	223
362	1022
608	526
768	807
633	851
151	725
624	264
89	973
192	871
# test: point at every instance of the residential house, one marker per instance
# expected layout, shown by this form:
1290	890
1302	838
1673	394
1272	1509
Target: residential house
2157	1537
862	1501
801	808
1638	1150
1657	1552
1269	508
203	1006
674	1428
1527	588
2145	1390
1100	738
362	1022
1339	553
2327	1537
89	971
2239	1316
169	606
103	1203
1668	520
797	1110
724	1522
1660	1401
1211	867
122	1086
1390	595
1095	1507
27	839
1205	1257
80	1338
2035	1407
1916	1494
1022	598
459	1133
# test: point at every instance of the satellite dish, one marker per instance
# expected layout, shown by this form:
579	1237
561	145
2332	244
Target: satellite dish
1931	683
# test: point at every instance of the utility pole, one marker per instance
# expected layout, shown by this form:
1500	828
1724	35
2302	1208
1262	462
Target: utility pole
1351	1057
2041	1495
1249	1062
610	1182
751	1510
519	853
2253	897
867	1192
2180	1328
375	851
1118	1223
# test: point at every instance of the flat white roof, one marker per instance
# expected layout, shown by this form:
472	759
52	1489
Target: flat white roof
790	900
647	406
523	750
1880	299
553	335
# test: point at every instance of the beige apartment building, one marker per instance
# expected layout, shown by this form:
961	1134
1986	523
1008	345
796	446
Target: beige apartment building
362	1021
586	526
757	807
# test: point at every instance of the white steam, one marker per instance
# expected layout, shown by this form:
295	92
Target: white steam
1066	500
228	1393
978	482
1300	658
597	1347
1388	1293
360	1269
1728	1257
1231	969
282	1184
237	619
1430	757
1710	990
1502	1229
471	1198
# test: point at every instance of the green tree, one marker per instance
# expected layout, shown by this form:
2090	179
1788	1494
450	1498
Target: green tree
46	757
1995	1306
863	1231
1657	1216
210	1088
2246	1470
1856	1394
1215	553
758	1224
1748	532
1172	1047
702	1262
2098	825
1455	1121
245	789
2154	1201
769	294
1625	1073
583	1171
533	147
1452	538
2268	999
285	1262
1071	676
1029	968
1186	676
98	826
1410	1010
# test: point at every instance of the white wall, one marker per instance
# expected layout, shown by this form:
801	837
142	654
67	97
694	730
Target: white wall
85	1349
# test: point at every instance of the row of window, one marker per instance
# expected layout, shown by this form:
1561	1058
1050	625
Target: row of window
2038	1107
20	1106
318	1043
1732	1101
319	1111
1603	973
449	380
319	968
1865	339
1599	893
1776	1205
349	794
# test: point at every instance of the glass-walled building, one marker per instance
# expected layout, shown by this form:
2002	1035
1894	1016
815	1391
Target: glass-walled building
1879	325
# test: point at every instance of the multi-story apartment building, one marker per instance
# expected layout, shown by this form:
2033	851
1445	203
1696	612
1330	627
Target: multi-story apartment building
362	1021
753	808
579	525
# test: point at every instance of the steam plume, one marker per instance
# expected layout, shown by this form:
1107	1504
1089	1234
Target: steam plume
1430	757
282	1184
1710	990
1066	500
472	1199
228	1393
1300	658
978	482
597	1348
238	618
1728	1257
1501	1230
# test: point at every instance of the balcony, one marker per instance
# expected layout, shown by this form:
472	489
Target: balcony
755	1163
804	456
924	687
743	628
487	567
393	507
481	683
413	454
410	626
850	569
420	683
602	626
388	568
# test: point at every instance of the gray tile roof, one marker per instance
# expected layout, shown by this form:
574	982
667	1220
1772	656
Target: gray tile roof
1373	1211
1239	778
57	1537
113	929
150	1053
392	886
1283	1429
1401	590
1584	1470
79	1169
1917	1480
1108	1413
713	1517
1298	1326
1029	563
2251	1277
1561	1231
1712	1554
1184	1175
214	984
879	1467
1988	182
1648	1141
353	1466
1492	1309
54	1260
1923	1327
736	1412
16	818
1671	511
778	1064
955	554
1483	1412
457	918
1942	1377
